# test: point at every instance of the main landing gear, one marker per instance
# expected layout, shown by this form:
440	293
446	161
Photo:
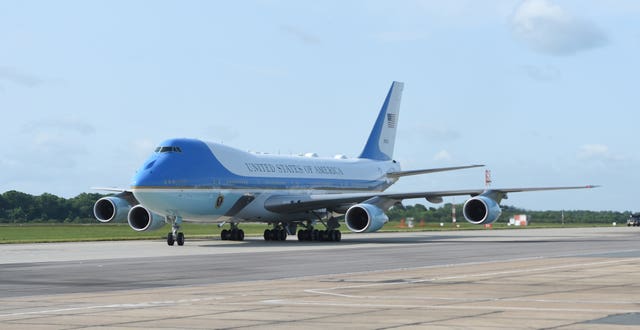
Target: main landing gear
278	233
233	234
174	236
332	234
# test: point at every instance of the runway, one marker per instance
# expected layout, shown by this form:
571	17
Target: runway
583	278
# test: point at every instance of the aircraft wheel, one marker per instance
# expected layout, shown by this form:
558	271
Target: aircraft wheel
335	235
300	235
267	235
240	235
224	235
282	235
170	239
180	239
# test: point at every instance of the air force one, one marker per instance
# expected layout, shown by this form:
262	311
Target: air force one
196	181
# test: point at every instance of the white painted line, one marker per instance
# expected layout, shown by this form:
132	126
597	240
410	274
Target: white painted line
115	306
325	291
453	307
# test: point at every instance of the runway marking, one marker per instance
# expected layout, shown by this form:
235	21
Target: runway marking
446	278
471	263
455	307
115	306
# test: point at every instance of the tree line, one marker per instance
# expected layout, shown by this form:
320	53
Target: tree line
420	212
19	207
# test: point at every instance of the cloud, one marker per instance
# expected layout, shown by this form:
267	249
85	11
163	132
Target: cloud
14	76
401	36
542	73
60	125
548	28
599	152
443	155
57	142
438	133
220	133
301	35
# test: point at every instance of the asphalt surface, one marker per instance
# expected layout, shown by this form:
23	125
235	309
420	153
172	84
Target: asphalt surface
552	278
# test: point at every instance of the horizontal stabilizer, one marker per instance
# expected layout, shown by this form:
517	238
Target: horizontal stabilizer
429	170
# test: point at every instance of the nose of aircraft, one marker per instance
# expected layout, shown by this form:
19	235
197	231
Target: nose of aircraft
147	175
179	163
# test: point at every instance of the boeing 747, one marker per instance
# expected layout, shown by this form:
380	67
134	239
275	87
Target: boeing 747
193	180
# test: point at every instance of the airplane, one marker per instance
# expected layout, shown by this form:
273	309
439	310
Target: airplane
190	180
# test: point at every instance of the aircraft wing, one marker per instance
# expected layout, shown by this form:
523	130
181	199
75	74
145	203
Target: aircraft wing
111	189
340	202
121	193
429	170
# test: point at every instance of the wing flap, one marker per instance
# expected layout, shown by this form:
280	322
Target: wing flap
335	202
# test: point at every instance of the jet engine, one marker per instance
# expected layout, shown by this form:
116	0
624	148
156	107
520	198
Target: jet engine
481	210
112	208
141	219
365	218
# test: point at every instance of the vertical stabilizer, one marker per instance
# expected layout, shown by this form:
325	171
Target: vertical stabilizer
383	135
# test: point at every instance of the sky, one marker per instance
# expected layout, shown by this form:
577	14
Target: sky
543	92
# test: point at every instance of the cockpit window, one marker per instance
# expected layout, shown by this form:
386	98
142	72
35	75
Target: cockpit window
168	149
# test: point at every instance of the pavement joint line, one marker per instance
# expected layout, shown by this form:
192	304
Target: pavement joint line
471	263
322	291
446	278
283	302
115	306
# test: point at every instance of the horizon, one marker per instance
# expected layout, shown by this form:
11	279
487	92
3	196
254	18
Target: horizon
543	92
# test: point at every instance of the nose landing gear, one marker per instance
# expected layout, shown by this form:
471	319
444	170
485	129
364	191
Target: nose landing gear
174	236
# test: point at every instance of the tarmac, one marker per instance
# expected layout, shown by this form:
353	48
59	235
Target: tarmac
584	278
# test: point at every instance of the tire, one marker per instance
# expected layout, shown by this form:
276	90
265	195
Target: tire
170	239
180	239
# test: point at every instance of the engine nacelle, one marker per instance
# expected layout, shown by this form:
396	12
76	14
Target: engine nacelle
141	219
365	218
481	210
108	209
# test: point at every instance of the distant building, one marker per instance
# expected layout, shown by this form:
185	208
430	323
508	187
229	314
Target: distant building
519	220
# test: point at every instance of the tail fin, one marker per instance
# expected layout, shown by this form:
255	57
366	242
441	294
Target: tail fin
383	135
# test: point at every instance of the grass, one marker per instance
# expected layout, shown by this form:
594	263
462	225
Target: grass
46	233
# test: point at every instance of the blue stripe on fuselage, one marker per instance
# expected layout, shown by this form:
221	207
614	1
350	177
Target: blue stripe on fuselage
196	167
